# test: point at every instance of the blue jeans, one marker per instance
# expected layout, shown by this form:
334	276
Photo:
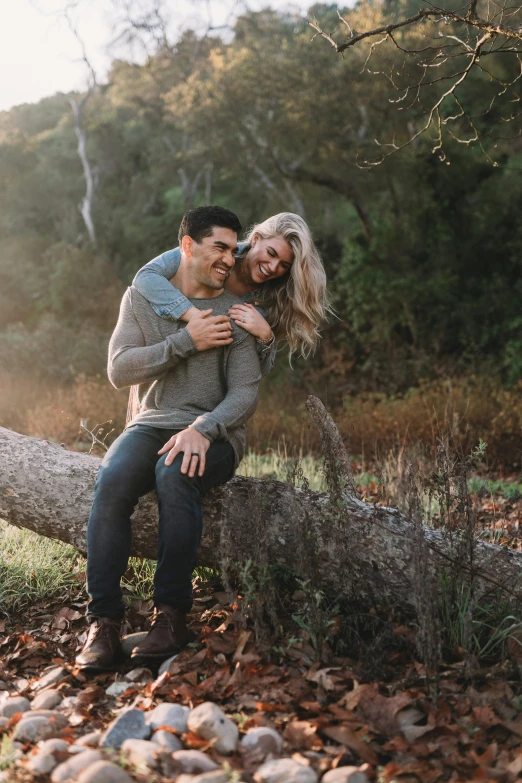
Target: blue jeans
130	469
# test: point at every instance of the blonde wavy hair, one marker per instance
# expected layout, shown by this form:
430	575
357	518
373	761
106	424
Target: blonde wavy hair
298	302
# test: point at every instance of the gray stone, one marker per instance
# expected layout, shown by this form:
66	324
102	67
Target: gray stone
143	754
166	714
217	776
50	745
3	722
71	768
39	727
129	642
284	771
92	738
13	705
118	688
104	772
208	721
165	666
344	775
194	761
166	740
262	739
140	676
42	763
47	700
53	676
129	725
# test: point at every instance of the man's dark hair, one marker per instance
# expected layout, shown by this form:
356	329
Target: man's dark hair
199	222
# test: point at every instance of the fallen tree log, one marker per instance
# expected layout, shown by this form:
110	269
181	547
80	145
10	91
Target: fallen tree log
351	548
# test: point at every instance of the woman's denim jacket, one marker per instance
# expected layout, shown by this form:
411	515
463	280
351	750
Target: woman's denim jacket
152	281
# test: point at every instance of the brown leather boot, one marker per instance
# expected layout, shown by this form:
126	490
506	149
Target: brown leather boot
102	648
167	636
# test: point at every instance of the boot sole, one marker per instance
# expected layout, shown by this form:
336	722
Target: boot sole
155	656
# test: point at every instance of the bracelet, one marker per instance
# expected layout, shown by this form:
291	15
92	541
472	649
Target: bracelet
268	342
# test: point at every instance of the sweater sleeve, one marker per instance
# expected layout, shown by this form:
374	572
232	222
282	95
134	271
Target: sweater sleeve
243	376
131	361
153	282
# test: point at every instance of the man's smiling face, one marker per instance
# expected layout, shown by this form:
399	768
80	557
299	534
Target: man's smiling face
213	258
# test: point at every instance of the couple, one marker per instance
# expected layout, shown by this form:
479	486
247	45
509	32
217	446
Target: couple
193	348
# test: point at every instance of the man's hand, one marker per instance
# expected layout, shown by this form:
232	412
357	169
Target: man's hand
194	446
209	331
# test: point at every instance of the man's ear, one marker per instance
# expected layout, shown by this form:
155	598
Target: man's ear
186	245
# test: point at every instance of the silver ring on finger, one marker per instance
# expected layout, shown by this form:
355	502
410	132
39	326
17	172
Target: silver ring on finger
243	320
195	454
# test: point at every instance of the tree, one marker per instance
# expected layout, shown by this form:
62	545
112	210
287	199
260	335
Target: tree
352	550
455	74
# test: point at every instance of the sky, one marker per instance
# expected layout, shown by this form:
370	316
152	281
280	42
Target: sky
40	55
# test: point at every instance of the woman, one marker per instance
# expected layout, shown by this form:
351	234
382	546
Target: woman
279	275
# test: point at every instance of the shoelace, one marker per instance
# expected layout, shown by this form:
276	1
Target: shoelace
160	619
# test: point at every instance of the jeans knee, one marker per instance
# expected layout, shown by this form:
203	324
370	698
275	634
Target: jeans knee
171	475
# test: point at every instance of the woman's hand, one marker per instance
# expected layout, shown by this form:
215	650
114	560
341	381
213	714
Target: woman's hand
250	319
209	331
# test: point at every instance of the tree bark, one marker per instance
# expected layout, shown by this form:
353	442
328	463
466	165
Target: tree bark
353	549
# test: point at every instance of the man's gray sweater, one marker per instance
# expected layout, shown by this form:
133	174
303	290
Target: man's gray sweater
179	385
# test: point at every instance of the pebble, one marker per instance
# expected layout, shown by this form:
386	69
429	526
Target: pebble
194	761
129	642
50	745
13	705
104	772
208	721
129	725
142	753
92	738
166	740
53	676
284	771
263	739
42	763
39	727
165	666
3	722
71	768
140	676
118	688
344	775
217	776
166	714
47	700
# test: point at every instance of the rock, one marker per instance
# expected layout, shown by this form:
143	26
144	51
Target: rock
68	702
344	775
129	642
42	763
284	771
71	768
50	745
92	738
3	722
118	688
140	676
166	740
165	666
53	676
193	761
13	705
39	727
104	772
47	700
217	776
209	722
166	714
262	739
129	725
142	753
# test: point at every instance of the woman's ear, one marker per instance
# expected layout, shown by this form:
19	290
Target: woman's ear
254	240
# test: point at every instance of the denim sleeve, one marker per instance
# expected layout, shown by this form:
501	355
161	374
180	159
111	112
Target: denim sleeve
152	281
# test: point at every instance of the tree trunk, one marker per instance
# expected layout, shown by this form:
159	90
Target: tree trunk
353	548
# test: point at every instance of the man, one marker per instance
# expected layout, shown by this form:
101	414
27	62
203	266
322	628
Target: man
186	438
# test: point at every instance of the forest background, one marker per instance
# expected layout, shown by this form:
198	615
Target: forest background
422	252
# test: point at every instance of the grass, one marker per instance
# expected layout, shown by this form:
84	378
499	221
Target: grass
508	489
33	568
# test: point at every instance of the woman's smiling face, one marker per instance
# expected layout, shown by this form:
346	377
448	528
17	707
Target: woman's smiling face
267	259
